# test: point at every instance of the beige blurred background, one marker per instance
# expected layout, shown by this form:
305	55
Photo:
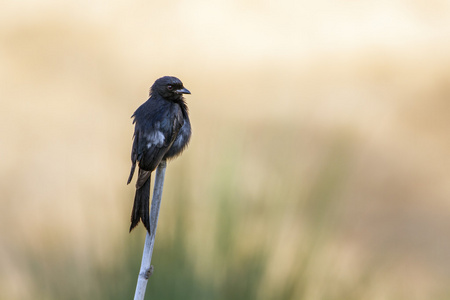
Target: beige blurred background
318	168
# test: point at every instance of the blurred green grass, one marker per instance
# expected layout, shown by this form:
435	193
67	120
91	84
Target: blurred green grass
242	236
282	240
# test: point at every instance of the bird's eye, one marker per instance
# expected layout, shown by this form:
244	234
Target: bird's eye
169	87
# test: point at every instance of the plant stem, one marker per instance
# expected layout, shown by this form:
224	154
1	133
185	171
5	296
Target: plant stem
146	267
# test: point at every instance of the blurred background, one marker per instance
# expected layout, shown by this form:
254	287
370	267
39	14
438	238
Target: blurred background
318	168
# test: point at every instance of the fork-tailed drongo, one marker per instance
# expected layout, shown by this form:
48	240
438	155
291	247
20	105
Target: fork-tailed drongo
162	131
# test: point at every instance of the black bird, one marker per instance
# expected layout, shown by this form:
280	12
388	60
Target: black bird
162	131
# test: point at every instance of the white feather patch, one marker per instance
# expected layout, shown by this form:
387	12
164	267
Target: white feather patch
155	138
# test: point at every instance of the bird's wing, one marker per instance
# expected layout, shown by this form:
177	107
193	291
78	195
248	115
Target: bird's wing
152	143
147	144
134	155
142	178
152	138
176	126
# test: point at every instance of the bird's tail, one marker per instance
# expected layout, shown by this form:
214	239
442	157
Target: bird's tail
141	206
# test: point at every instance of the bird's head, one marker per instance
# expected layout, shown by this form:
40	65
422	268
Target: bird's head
169	87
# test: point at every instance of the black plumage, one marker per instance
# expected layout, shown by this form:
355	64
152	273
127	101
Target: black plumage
162	131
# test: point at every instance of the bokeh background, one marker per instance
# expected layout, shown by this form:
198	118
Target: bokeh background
319	166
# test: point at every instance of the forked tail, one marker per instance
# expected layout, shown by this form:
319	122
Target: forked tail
141	206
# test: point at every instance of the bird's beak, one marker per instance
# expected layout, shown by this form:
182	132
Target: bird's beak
183	91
